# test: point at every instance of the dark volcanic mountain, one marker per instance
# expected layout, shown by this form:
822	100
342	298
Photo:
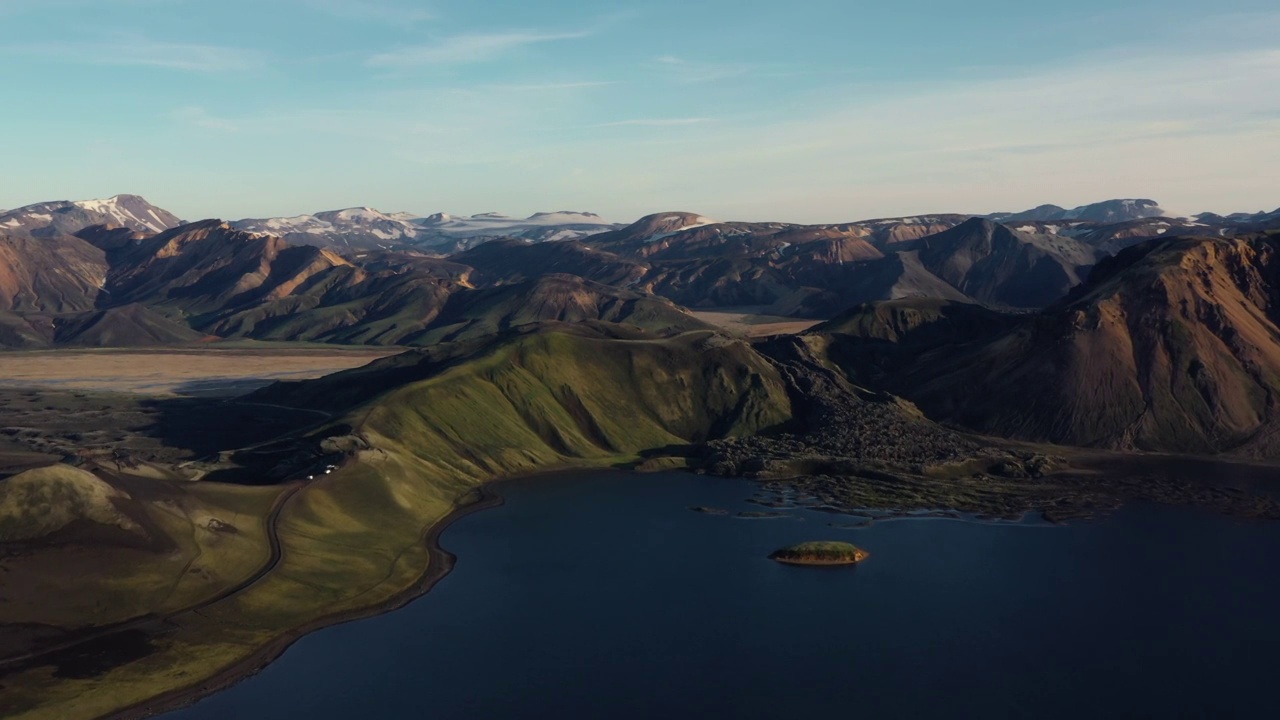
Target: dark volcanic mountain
1172	345
1111	238
126	326
506	261
817	270
998	266
561	298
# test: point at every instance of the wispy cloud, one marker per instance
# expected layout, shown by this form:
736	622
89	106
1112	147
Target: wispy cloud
197	116
18	6
144	52
469	48
656	122
393	13
1183	127
553	86
690	71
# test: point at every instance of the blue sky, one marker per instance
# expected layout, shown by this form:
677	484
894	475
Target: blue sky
813	110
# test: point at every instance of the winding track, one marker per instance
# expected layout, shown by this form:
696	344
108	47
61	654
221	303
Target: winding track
276	552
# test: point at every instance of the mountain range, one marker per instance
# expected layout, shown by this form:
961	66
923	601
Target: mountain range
1112	325
1170	345
362	229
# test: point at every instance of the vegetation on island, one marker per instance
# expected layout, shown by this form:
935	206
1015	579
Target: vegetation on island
822	552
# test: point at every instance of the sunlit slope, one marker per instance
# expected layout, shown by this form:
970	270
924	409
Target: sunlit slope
40	502
1172	345
429	426
551	398
150	547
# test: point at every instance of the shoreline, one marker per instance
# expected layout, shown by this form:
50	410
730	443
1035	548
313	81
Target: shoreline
441	564
484	496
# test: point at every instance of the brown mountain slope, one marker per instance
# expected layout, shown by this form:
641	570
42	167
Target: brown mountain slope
553	298
126	326
20	331
1172	345
208	266
49	275
916	322
1003	267
231	283
506	261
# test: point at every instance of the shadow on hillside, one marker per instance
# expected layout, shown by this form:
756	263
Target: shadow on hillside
204	427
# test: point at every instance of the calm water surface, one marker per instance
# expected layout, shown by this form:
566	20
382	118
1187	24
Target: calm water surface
603	595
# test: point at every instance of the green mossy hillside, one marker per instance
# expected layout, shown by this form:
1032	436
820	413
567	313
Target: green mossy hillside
39	502
551	398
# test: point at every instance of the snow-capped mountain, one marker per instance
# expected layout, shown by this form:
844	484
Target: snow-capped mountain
1241	218
1108	211
441	228
359	228
1114	237
364	228
69	217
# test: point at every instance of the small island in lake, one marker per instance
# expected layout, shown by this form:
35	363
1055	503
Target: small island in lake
821	553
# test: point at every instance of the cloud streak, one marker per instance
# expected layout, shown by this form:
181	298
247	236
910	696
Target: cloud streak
370	11
468	48
655	122
143	52
1181	126
197	116
693	72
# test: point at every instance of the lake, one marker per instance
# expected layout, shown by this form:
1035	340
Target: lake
603	595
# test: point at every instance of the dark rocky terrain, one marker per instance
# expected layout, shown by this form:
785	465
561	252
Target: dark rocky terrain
1171	345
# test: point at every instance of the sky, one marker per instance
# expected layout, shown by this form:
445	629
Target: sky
805	111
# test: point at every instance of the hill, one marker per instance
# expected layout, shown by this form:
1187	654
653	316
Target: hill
38	503
125	326
545	396
562	298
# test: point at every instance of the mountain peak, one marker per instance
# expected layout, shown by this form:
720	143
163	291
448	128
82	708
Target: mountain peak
70	217
564	213
1107	211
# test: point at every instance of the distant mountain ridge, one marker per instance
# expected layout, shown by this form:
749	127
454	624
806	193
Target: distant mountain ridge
364	229
360	275
1107	211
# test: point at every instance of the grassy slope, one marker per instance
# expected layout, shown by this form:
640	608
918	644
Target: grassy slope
133	577
43	501
353	541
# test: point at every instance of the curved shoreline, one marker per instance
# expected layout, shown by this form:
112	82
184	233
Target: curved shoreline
441	563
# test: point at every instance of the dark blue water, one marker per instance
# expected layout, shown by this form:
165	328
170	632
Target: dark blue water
602	595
